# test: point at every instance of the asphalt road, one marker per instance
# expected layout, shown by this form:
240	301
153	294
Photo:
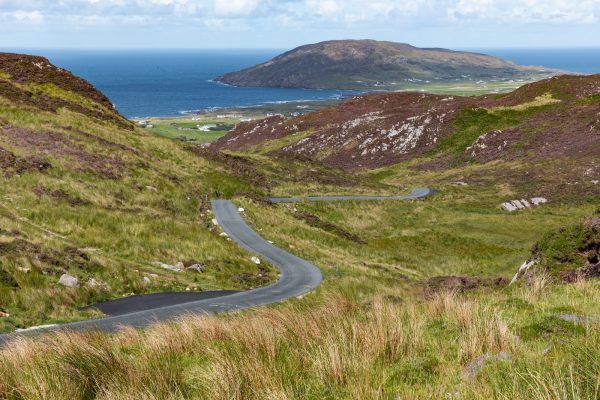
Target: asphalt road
142	302
297	277
414	194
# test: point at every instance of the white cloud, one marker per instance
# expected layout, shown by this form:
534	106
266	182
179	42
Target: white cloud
527	11
235	8
27	16
324	8
305	13
472	9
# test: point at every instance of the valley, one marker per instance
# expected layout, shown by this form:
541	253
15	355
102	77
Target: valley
415	300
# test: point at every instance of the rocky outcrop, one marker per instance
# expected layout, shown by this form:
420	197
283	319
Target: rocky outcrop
515	205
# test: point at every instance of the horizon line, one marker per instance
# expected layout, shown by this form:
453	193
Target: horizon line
466	48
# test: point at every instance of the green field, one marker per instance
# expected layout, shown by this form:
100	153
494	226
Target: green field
186	129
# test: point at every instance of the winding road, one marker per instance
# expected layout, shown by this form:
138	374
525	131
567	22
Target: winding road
297	277
414	194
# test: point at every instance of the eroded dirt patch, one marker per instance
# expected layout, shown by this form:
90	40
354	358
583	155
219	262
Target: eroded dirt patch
459	284
12	165
60	195
32	257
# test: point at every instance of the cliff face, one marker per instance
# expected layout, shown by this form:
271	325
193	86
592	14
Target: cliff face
359	64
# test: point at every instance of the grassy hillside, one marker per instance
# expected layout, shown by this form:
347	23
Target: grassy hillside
415	303
85	193
378	328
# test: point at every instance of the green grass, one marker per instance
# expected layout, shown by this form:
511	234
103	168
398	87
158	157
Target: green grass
147	205
186	130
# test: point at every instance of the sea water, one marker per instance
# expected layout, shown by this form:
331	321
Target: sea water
144	83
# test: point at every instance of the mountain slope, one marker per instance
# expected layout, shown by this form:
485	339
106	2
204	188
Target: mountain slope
359	64
85	193
538	123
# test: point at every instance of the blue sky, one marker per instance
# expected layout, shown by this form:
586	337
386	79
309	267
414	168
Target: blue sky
288	23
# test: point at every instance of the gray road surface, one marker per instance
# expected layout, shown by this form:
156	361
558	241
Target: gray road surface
414	194
297	277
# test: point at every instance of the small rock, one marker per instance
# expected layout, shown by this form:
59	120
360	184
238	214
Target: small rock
508	207
24	270
175	268
152	188
241	210
215	222
146	280
459	183
474	368
518	204
196	267
4	314
255	260
578	319
538	200
180	266
522	204
94	283
69	281
187	289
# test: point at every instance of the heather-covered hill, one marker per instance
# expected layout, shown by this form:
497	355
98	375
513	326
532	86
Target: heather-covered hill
360	64
539	123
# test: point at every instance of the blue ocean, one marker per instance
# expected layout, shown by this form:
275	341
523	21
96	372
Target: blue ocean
144	83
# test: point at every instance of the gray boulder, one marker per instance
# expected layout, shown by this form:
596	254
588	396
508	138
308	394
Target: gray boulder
69	281
476	366
577	319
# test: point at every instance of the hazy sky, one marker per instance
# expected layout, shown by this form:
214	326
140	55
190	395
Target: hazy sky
288	23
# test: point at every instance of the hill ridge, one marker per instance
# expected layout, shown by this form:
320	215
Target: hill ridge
365	63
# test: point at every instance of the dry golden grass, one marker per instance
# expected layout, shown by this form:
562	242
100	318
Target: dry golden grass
539	282
481	327
336	346
341	348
